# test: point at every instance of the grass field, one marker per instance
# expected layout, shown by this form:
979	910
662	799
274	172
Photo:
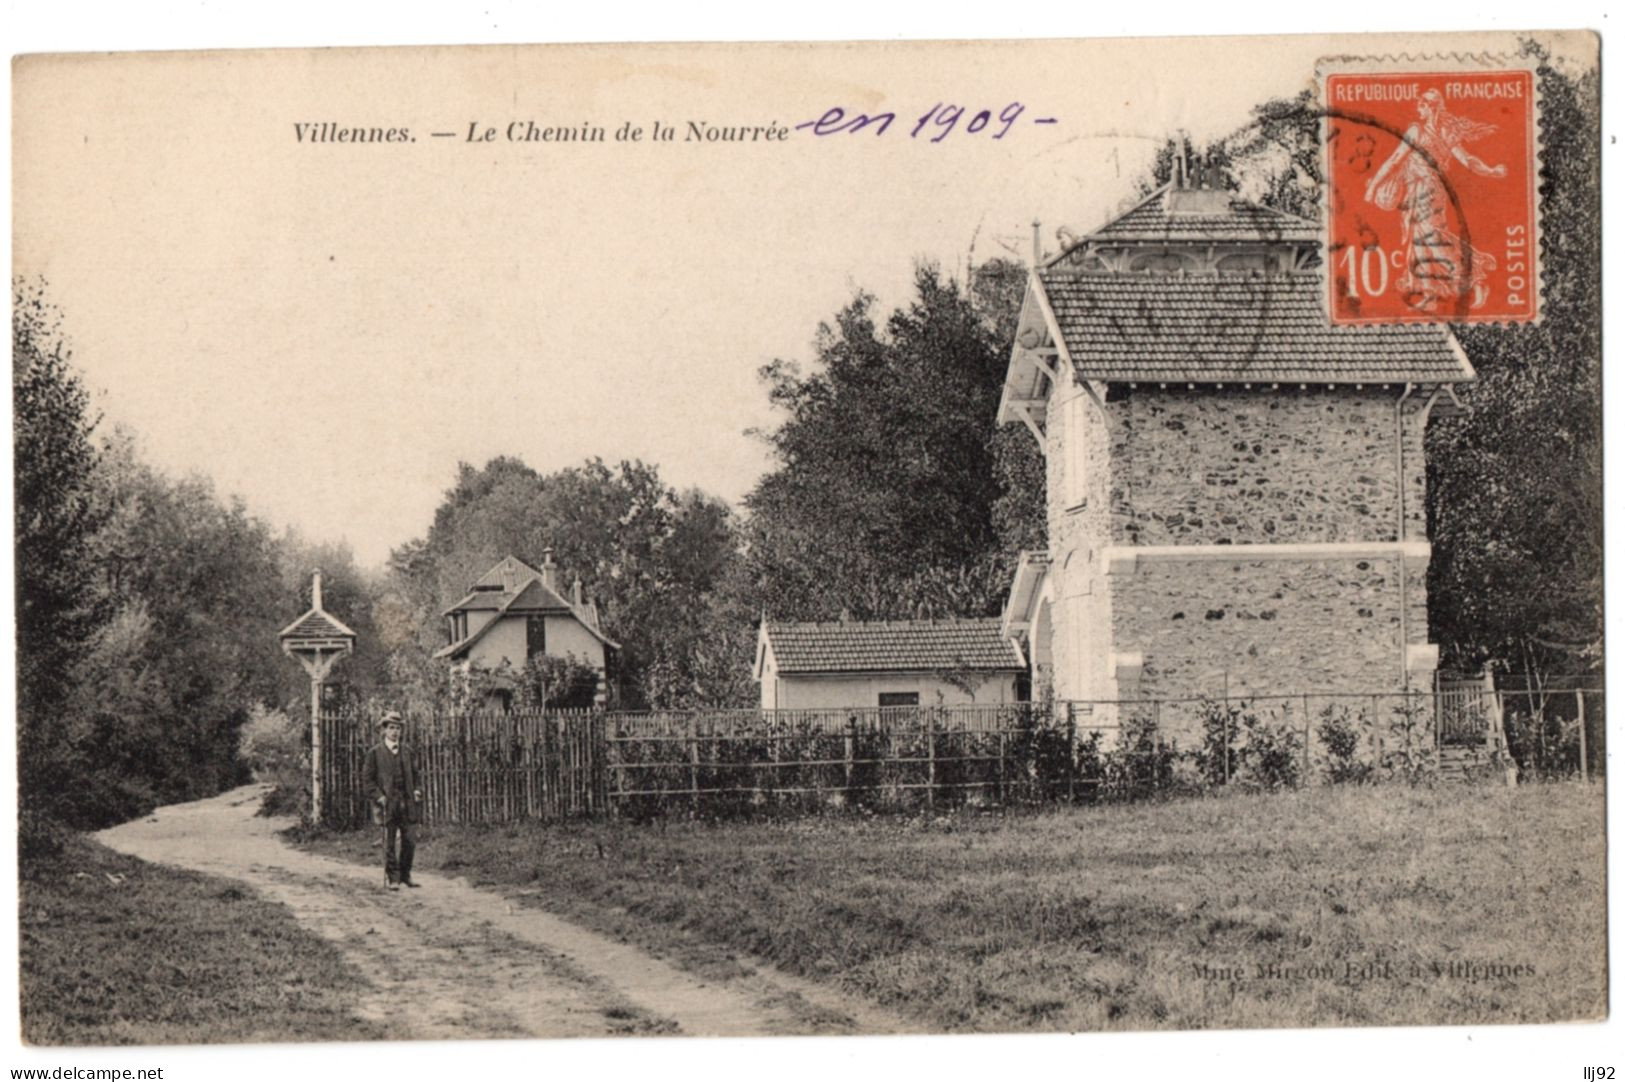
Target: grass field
118	951
1346	906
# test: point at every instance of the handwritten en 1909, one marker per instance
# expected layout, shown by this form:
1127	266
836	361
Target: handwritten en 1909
934	125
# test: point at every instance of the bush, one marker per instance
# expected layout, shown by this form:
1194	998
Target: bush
1090	763
544	682
1142	763
1543	743
1217	760
1273	755
1340	733
274	748
270	742
1411	754
39	836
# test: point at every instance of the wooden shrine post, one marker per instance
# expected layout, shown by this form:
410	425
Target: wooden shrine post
318	639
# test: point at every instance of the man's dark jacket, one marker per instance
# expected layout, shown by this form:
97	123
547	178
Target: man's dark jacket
390	775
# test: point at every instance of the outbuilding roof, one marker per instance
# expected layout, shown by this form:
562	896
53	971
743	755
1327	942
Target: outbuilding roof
1233	327
891	646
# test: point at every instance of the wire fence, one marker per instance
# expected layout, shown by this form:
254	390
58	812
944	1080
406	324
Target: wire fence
556	765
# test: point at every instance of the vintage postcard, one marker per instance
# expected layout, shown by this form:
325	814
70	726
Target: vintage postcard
843	539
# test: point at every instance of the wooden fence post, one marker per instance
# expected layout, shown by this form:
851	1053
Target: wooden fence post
1071	755
694	761
1003	786
930	760
1376	730
851	748
1580	702
1305	780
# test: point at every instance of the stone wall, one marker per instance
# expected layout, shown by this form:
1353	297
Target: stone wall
1234	466
1266	627
1211	467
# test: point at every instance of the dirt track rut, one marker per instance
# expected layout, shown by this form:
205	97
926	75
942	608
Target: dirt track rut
451	961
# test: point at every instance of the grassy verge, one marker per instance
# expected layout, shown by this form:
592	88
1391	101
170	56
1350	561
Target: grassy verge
1348	906
117	951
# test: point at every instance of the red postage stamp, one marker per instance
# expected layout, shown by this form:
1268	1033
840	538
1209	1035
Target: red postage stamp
1431	176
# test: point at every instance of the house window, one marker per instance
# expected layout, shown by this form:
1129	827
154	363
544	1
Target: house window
459	626
535	636
899	698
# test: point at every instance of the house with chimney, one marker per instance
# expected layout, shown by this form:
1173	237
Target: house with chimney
514	613
1235	488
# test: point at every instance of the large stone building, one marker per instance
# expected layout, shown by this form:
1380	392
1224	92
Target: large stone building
1235	487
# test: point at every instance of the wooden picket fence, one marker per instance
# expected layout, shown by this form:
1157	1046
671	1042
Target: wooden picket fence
489	767
476	767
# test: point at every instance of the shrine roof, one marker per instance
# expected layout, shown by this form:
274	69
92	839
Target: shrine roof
317	624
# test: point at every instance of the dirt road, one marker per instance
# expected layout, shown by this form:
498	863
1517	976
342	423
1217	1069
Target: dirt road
450	961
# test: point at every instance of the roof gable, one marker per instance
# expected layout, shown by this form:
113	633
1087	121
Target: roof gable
535	596
890	646
514	588
509	573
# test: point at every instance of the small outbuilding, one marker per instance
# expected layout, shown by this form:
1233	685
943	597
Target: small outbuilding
888	663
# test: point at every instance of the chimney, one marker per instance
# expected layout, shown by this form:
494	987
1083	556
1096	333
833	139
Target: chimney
316	589
550	570
575	592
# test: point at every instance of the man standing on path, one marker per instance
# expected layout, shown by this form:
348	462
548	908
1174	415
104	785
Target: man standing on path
387	776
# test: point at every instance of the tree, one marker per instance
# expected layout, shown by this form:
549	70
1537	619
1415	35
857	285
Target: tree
652	558
1274	159
1515	486
887	486
55	517
193	586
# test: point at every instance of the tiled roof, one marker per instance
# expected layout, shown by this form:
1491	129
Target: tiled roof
508	572
1233	328
529	594
1153	220
892	646
316	624
536	597
512	579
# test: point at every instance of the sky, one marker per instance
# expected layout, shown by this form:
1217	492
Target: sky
327	329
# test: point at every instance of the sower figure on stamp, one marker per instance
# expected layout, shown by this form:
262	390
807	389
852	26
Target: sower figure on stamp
390	780
1412	180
